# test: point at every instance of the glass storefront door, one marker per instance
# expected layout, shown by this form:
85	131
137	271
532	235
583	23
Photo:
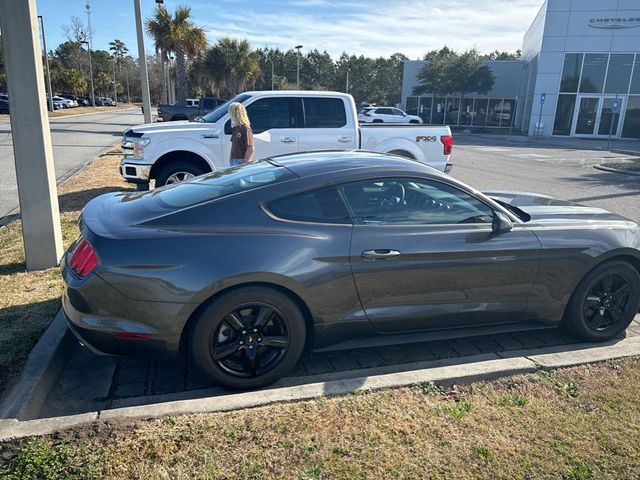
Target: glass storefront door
585	122
610	121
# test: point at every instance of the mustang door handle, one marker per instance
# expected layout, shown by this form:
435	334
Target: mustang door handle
209	136
288	139
381	254
344	139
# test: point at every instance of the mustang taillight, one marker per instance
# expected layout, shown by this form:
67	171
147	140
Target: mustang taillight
83	259
447	141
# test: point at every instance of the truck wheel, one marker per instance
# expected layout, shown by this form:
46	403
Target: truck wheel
377	120
177	172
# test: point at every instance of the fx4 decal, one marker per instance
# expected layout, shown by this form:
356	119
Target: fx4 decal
425	138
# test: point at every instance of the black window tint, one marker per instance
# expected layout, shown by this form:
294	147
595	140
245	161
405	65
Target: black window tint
323	205
271	113
406	201
324	112
384	111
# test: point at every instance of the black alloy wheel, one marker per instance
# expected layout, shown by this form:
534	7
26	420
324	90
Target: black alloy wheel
248	337
605	302
250	341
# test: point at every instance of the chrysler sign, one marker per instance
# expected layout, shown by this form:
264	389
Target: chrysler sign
615	23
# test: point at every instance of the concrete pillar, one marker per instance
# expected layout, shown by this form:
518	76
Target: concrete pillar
142	58
31	137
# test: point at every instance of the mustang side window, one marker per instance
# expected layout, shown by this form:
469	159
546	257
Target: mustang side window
407	201
321	205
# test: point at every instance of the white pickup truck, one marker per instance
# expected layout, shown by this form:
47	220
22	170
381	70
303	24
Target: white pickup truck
282	122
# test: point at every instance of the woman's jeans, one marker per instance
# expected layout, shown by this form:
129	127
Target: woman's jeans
234	162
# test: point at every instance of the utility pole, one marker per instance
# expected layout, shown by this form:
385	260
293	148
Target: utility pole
88	42
346	88
93	98
144	77
46	62
272	70
128	90
115	91
32	150
298	47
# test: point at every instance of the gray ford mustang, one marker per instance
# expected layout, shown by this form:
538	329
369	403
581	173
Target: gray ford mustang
247	267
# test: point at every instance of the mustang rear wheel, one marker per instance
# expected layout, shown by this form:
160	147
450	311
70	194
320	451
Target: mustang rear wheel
605	302
249	337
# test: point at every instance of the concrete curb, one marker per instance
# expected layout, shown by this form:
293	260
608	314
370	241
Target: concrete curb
93	113
43	367
626	152
528	361
616	170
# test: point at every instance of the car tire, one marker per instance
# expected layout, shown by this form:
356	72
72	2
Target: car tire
377	120
216	332
604	303
414	122
177	172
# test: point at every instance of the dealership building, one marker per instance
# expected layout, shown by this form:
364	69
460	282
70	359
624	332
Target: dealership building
579	75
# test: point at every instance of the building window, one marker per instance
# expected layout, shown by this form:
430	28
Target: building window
438	111
480	117
412	106
631	126
508	112
635	81
608	120
466	114
564	114
495	112
453	105
571	72
425	109
593	71
619	73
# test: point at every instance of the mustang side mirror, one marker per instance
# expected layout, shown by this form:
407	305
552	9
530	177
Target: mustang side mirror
501	223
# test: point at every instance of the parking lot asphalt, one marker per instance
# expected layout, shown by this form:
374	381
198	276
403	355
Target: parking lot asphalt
93	383
75	139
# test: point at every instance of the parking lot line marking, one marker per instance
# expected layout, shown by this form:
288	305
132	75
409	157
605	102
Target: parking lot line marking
528	155
491	149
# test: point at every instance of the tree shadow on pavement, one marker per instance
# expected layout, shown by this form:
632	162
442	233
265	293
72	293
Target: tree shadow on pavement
75	201
629	184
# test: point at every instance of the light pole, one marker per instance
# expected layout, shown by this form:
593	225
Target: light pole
93	98
298	47
272	70
115	90
46	62
346	90
144	77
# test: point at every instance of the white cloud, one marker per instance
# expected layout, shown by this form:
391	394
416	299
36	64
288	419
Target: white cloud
377	28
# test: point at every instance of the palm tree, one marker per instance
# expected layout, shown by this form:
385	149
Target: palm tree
179	35
231	65
119	50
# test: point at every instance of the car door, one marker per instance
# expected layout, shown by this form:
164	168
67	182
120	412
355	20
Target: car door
276	124
399	116
384	114
424	256
327	125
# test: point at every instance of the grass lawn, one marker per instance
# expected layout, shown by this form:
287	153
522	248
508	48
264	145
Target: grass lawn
30	300
576	423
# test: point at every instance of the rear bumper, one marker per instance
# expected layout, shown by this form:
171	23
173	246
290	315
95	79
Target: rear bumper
448	167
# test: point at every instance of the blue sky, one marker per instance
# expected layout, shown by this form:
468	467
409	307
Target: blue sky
368	27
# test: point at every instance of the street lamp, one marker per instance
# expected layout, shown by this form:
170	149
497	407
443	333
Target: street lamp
93	99
46	62
298	47
115	90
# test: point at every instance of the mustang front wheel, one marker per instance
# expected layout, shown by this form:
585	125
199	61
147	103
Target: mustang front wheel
605	302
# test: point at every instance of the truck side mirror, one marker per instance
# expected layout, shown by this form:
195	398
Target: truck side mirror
227	128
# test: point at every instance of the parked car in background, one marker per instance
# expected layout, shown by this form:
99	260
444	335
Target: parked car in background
105	102
85	100
193	102
172	113
246	268
66	103
73	98
386	115
282	122
4	106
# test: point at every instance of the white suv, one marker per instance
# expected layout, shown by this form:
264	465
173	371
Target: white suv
386	115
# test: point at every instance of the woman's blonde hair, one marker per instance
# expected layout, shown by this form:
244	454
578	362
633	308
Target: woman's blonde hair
239	114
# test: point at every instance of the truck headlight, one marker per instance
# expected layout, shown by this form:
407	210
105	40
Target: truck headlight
138	147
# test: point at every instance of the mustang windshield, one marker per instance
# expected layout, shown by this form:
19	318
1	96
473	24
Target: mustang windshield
221	111
222	183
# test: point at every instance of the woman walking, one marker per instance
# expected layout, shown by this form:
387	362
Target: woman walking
242	147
